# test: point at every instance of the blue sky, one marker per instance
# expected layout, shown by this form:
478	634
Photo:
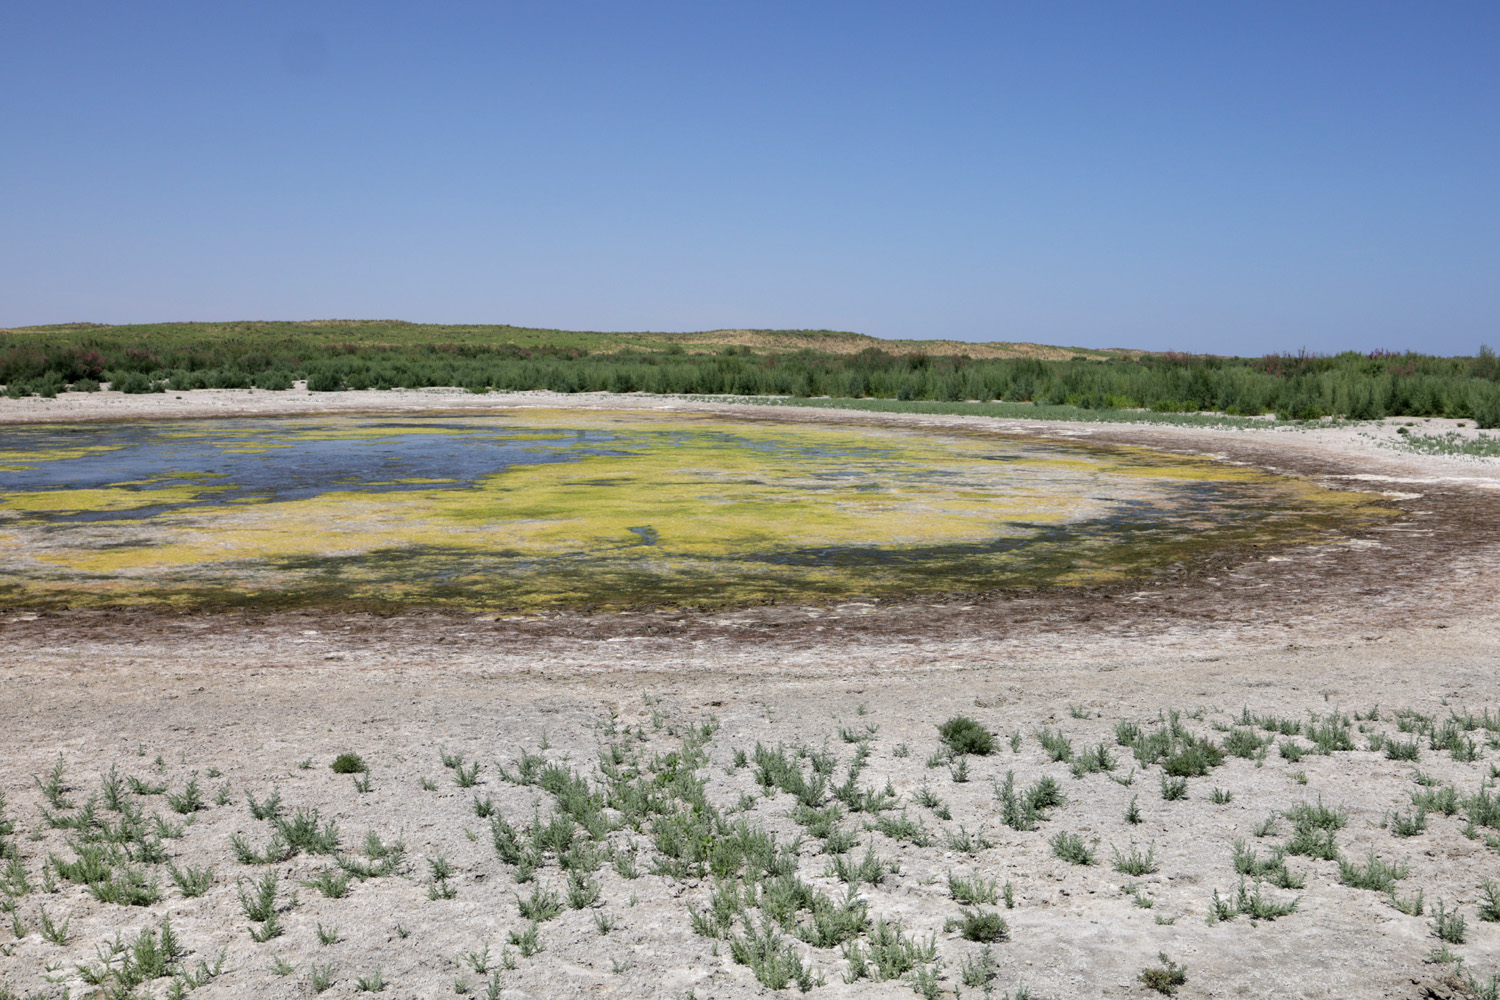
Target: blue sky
1216	177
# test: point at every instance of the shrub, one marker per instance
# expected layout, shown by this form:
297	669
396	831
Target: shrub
965	736
1164	978
349	763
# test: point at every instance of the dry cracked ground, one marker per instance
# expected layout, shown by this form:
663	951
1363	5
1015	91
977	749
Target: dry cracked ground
1276	769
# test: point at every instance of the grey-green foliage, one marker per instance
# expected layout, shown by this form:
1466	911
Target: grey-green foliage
1256	905
1272	869
773	959
889	952
1448	925
1071	847
1375	874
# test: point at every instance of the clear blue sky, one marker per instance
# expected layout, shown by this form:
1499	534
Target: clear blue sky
1204	176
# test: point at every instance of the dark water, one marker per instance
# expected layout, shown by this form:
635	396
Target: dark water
212	455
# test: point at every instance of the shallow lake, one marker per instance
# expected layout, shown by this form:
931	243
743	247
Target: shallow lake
530	509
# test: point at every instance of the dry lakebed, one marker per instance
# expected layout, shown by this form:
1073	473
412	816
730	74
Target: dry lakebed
1256	758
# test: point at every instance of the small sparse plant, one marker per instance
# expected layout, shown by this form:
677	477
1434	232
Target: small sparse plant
529	941
1164	977
1135	863
1071	848
542	904
1448	925
191	881
972	890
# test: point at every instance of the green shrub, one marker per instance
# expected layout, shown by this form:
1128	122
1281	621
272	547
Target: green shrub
349	763
965	736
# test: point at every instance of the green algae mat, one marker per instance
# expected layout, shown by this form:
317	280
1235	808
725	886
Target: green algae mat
536	509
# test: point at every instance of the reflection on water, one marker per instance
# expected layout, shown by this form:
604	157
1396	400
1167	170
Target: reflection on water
554	508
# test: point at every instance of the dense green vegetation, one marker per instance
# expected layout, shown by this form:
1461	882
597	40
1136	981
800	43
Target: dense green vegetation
338	355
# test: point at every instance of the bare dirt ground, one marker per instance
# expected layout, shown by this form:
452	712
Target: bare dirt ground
1335	641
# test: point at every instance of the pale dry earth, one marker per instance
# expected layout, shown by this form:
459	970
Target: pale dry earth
1403	618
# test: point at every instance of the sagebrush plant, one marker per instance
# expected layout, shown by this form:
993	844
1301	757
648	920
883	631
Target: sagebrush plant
963	735
980	925
348	763
1448	925
1071	847
1164	977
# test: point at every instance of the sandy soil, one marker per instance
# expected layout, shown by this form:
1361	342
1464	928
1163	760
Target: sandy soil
1402	619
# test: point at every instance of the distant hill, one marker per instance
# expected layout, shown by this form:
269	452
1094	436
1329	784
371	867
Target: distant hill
401	334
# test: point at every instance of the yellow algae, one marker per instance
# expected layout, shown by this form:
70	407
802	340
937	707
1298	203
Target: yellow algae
669	509
86	500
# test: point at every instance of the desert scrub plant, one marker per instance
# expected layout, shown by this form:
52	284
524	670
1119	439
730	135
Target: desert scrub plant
54	787
978	971
1375	875
373	983
301	832
1070	847
1411	906
1058	747
959	769
832	923
333	884
1221	797
1407	824
191	882
529	941
466	777
1314	827
771	958
972	890
1439	800
1244	743
1164	977
189	800
963	735
127	886
440	870
1409	750
266	809
349	763
582	892
1448	925
869	869
542	904
328	935
965	842
1272	869
1135	863
53	931
1489	907
898	828
259	904
888	953
1094	761
1255	905
1173	789
1133	812
979	925
321	977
